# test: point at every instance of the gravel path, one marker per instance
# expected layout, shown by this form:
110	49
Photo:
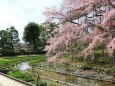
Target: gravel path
5	81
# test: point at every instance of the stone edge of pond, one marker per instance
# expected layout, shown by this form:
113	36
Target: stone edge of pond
26	83
57	81
78	75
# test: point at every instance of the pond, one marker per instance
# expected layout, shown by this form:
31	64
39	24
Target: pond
23	66
78	81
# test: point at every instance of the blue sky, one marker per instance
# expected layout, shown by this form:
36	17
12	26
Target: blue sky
19	12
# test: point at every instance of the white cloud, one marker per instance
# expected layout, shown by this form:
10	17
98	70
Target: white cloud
19	12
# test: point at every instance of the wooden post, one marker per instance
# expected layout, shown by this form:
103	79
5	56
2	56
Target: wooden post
32	69
38	77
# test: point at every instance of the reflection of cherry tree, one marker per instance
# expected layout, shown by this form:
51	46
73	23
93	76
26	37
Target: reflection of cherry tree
82	23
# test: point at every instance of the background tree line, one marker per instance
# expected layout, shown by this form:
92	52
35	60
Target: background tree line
34	36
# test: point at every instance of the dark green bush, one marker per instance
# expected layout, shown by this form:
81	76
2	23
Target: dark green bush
22	51
100	58
87	67
113	69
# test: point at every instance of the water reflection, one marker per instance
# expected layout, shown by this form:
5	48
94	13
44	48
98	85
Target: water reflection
78	81
74	80
23	66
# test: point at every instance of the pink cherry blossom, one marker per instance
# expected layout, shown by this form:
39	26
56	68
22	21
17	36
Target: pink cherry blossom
83	25
107	18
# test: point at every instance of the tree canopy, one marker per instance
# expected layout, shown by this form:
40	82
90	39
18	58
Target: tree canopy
9	40
31	34
83	26
14	36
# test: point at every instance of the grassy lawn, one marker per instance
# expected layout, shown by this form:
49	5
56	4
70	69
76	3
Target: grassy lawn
6	62
21	75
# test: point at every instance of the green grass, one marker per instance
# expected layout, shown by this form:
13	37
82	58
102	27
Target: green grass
52	84
6	62
25	76
36	61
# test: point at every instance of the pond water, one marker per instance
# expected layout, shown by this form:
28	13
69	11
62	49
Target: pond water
78	81
23	66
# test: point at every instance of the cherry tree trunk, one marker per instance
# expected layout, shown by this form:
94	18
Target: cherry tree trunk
114	57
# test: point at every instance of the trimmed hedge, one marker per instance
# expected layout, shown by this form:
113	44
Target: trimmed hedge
23	53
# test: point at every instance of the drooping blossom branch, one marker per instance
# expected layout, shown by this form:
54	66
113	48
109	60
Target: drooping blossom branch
77	28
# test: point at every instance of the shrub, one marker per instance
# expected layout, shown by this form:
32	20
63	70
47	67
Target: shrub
87	67
21	75
113	69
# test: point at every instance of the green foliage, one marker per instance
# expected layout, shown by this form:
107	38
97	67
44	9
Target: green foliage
104	60
45	34
49	29
31	34
97	54
35	62
113	69
14	36
21	75
52	84
41	83
87	67
5	42
42	37
79	59
100	58
22	51
25	76
9	40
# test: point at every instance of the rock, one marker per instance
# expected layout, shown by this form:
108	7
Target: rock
94	68
77	71
109	77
